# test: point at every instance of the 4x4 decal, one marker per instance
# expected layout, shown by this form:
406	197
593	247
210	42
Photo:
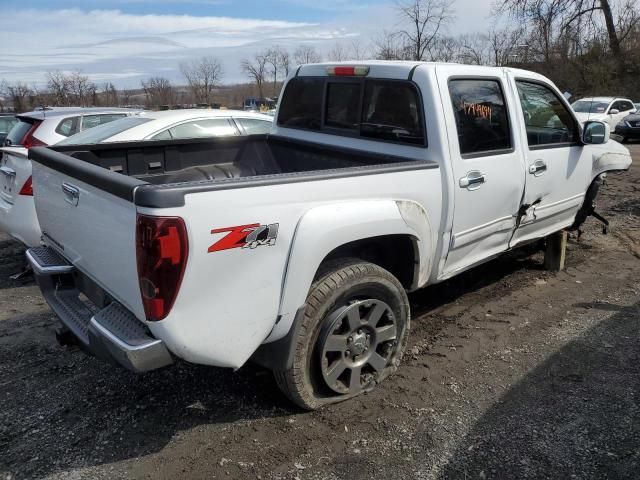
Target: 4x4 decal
245	236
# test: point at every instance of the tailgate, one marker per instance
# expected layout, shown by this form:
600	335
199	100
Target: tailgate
15	169
92	228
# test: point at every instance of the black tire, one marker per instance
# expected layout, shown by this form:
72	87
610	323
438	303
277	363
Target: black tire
358	288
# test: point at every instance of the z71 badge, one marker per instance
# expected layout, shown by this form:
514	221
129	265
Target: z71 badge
245	236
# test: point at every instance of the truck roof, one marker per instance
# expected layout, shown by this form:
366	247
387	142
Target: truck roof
66	111
403	68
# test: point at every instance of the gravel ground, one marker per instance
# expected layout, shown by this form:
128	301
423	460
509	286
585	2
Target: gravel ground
511	372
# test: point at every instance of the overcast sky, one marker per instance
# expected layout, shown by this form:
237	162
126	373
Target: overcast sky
124	41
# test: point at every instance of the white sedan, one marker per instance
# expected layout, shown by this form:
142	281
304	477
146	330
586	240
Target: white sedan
21	221
176	124
610	110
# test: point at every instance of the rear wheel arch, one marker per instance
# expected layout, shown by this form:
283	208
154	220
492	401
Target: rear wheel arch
335	230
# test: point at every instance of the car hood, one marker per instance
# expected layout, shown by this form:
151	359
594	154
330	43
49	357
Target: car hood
583	117
632	117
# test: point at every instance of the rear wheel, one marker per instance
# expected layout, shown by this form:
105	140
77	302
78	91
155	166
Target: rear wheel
352	336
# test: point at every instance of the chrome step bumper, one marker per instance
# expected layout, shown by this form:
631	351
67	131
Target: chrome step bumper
111	333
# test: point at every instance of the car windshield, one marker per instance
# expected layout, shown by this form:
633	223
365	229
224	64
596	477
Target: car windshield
103	132
589	106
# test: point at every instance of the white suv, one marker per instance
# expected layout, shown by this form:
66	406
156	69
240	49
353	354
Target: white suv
38	128
610	110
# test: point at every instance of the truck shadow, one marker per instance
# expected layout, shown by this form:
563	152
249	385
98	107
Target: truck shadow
12	261
64	410
574	416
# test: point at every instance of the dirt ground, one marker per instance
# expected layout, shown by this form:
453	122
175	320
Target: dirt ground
511	372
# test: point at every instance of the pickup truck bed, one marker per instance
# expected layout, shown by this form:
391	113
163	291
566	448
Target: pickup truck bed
158	174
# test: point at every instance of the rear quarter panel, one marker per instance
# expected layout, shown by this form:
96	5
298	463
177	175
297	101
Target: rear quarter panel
230	300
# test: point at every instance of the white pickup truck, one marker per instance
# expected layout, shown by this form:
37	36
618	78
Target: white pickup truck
296	249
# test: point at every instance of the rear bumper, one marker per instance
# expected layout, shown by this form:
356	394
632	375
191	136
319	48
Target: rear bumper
109	331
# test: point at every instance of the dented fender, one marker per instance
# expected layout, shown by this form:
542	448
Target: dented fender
610	156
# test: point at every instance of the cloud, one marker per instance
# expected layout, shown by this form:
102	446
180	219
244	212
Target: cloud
126	47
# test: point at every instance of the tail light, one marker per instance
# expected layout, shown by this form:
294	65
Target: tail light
27	188
161	253
29	140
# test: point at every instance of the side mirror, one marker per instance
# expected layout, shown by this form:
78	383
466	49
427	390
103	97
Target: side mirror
596	133
613	111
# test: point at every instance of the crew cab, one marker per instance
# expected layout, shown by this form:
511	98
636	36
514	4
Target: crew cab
297	249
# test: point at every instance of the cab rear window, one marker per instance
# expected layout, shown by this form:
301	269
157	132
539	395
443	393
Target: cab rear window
386	110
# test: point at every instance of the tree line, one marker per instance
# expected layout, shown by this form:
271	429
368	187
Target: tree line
584	46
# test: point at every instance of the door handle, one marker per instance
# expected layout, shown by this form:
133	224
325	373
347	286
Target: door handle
71	194
537	168
473	180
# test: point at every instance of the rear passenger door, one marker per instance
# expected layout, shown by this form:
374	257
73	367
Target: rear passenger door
558	164
488	170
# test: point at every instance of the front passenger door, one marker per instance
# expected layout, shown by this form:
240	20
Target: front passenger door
558	165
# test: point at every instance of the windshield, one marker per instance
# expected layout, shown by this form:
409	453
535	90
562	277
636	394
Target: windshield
103	132
588	106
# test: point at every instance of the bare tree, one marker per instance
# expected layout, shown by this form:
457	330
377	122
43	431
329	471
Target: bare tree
110	95
503	43
158	91
306	54
203	76
424	20
256	70
81	88
338	53
475	49
390	46
126	97
358	51
554	16
59	88
20	95
276	61
446	49
284	61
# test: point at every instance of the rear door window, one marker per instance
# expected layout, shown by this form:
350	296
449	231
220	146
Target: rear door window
386	110
91	121
203	128
254	126
68	126
104	132
481	116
